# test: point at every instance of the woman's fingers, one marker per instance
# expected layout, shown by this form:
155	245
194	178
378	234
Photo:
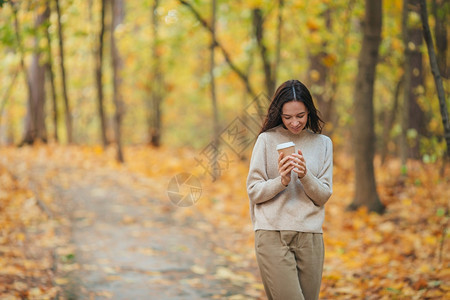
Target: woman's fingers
294	162
300	170
280	157
285	173
287	168
282	162
299	160
299	164
298	156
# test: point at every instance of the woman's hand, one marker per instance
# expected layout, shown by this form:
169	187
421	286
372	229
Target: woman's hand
285	167
299	164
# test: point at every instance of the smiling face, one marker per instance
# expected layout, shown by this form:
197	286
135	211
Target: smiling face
294	115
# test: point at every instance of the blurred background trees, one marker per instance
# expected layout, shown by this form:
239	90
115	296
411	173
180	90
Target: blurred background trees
173	73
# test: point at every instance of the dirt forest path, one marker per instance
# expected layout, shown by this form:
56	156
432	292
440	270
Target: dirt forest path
123	242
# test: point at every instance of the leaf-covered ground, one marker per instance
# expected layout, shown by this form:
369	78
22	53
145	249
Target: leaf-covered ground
402	254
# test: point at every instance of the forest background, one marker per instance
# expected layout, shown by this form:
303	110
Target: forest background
140	81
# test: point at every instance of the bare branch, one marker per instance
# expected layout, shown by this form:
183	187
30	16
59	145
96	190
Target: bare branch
225	54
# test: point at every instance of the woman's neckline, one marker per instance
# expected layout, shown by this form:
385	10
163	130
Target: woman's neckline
287	132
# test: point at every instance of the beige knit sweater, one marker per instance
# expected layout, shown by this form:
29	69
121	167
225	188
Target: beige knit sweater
300	205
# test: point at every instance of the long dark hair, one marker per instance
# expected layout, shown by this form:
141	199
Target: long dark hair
292	90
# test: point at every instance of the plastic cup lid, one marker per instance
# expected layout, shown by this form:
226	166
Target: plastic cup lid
285	145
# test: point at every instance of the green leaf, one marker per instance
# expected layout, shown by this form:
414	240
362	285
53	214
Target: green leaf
7	36
69	258
434	283
393	290
440	212
426	159
404	170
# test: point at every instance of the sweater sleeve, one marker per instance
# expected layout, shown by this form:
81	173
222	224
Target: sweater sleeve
320	188
260	187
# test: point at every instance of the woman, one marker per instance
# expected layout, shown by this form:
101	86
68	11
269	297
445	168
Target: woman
288	194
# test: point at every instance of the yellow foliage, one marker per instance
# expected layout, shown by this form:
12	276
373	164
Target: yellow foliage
19	218
312	24
254	3
329	60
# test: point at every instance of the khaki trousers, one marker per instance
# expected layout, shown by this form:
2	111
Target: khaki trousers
290	263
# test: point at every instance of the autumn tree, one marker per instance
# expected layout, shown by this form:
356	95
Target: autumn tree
278	41
436	74
117	65
51	77
258	28
337	61
35	119
21	52
68	113
414	120
215	109
11	42
241	75
98	56
270	67
440	12
318	70
363	131
157	84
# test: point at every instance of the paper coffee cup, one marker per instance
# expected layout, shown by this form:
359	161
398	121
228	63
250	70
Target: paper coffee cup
286	148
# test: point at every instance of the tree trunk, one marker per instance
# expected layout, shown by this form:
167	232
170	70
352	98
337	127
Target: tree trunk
21	51
117	64
389	120
317	78
98	53
440	13
436	74
216	128
258	27
63	77
52	78
363	132
35	118
318	74
417	118
415	121
338	69
158	83
278	42
403	147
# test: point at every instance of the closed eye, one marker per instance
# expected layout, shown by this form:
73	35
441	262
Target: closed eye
287	117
